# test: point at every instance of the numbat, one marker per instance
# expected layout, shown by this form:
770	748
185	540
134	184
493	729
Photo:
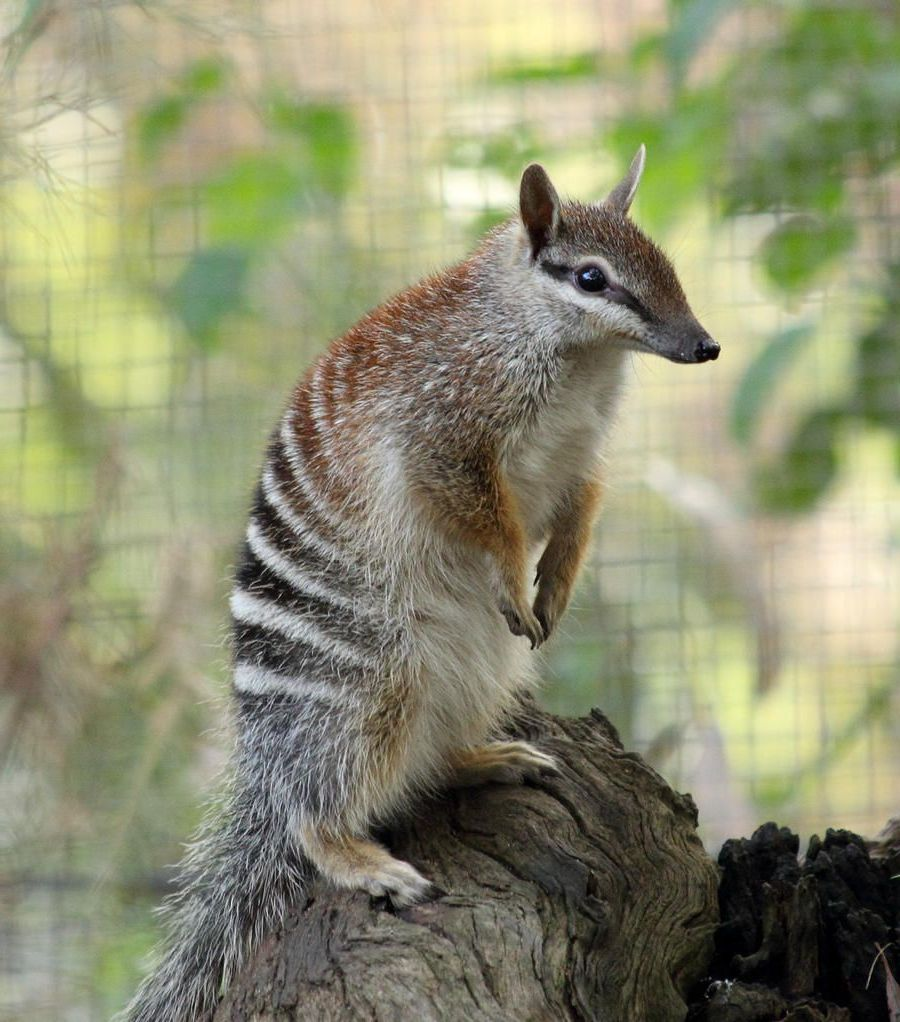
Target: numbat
434	458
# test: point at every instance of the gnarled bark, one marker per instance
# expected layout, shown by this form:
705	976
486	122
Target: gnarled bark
587	896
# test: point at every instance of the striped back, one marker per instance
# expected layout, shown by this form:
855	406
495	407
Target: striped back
303	604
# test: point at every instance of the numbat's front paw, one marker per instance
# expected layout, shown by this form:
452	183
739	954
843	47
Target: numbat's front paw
502	763
523	621
547	609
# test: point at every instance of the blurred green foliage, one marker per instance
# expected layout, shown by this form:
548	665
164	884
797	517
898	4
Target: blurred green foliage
120	467
251	204
571	67
772	361
166	114
797	123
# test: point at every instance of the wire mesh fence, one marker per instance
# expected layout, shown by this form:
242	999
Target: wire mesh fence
196	197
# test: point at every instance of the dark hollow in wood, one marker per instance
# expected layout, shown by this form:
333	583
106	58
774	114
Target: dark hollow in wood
585	896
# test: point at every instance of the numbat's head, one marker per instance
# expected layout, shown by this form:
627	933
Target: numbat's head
604	279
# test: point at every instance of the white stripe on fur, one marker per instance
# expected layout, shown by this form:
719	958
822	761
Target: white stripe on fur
253	610
298	469
317	407
288	569
295	523
259	681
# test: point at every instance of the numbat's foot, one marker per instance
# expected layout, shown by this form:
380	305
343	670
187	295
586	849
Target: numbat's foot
365	865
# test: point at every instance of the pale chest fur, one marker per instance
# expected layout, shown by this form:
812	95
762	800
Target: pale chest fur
563	443
466	662
462	660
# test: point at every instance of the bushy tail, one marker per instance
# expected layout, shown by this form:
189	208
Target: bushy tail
234	886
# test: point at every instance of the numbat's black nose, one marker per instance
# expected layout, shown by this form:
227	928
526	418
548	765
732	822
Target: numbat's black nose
706	351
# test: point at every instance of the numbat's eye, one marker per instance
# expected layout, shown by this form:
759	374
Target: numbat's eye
590	278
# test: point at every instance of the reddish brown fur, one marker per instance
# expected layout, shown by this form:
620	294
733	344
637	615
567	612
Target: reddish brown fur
477	504
570	537
596	229
389	716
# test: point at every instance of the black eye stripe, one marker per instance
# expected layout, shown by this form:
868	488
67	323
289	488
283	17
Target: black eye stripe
558	271
627	299
612	293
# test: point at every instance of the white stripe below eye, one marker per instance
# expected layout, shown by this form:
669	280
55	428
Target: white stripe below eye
253	610
289	570
289	517
260	682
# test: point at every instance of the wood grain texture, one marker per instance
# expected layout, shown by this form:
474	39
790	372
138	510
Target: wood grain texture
585	896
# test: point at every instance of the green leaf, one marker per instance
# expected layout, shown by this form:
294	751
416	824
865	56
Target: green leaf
762	376
505	152
158	123
810	131
797	481
574	66
328	137
254	200
776	176
647	50
204	76
798	249
210	286
686	149
876	395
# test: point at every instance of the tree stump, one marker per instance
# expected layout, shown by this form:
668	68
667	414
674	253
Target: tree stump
585	896
811	940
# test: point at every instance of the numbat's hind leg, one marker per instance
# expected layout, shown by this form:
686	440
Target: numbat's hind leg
501	762
358	863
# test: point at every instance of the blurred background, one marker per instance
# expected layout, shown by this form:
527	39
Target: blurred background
197	195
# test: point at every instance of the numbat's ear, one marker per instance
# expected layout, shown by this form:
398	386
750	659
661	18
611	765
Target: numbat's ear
620	198
539	207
